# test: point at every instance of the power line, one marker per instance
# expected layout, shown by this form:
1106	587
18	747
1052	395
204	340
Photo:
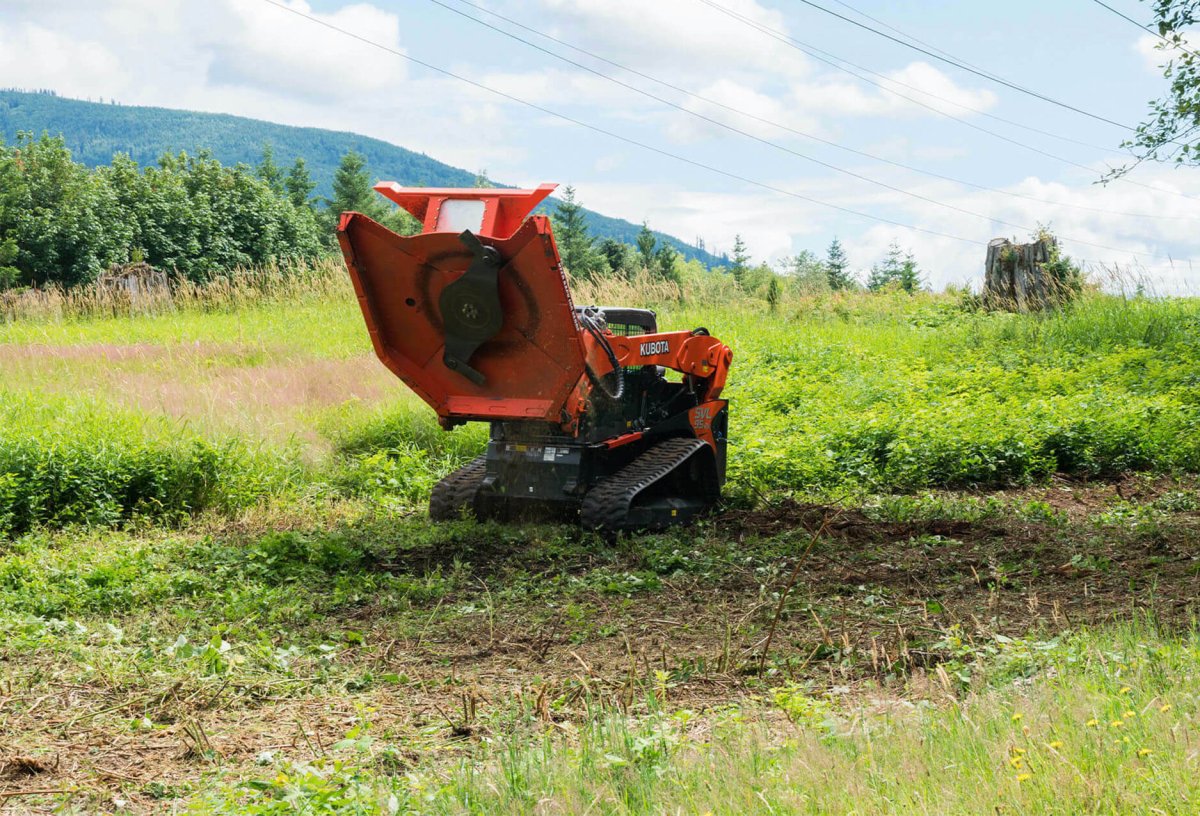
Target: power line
906	35
835	61
767	142
964	67
770	122
645	146
628	140
736	130
1145	28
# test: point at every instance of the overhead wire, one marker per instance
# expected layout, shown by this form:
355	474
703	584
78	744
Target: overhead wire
1146	29
604	132
651	148
835	61
770	122
964	67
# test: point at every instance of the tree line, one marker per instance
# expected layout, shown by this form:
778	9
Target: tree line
64	224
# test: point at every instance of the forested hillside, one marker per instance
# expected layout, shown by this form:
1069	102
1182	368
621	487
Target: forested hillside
95	131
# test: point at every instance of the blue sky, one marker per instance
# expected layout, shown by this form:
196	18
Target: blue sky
251	58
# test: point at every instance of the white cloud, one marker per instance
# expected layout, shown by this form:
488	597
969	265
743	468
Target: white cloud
261	45
32	56
681	37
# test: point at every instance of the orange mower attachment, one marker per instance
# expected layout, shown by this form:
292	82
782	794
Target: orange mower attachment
475	315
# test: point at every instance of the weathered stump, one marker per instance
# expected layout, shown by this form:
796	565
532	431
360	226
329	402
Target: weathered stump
1027	277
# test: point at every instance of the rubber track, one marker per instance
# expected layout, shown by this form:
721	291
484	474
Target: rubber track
456	492
606	505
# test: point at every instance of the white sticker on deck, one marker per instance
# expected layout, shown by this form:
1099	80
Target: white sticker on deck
548	455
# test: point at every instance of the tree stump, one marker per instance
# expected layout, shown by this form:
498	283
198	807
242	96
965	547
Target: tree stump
1026	277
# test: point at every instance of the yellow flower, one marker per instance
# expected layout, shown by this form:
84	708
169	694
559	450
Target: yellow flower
1017	716
1129	714
1145	752
1016	762
1125	689
1092	723
1055	744
1024	777
1165	708
1117	723
1018	751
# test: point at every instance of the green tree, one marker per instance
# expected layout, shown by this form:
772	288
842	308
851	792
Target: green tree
574	240
1170	132
899	268
269	171
807	273
774	293
837	267
645	246
664	263
299	184
618	256
352	191
741	260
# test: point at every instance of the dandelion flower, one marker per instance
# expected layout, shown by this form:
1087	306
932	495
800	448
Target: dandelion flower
1018	751
1125	689
1117	723
1129	714
1017	716
1016	762
1092	723
1144	752
1165	708
1024	777
1055	744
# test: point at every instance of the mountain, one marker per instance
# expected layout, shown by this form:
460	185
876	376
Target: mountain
95	131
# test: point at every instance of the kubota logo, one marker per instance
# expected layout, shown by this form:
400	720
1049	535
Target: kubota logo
657	347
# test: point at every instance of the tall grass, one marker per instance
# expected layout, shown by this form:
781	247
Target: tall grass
79	461
239	289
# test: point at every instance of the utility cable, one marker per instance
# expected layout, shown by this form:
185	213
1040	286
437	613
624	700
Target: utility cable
643	145
626	139
1146	29
963	67
834	61
770	122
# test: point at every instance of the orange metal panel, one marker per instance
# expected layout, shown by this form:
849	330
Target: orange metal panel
534	362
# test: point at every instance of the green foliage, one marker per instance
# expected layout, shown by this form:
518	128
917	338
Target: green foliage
774	293
269	171
622	259
899	269
1168	133
887	404
189	214
664	263
79	462
352	190
837	268
807	273
574	241
645	246
741	260
94	133
299	184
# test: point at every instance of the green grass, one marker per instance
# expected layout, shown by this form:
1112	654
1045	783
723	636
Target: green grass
831	397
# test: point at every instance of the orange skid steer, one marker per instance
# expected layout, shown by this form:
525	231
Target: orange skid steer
475	315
